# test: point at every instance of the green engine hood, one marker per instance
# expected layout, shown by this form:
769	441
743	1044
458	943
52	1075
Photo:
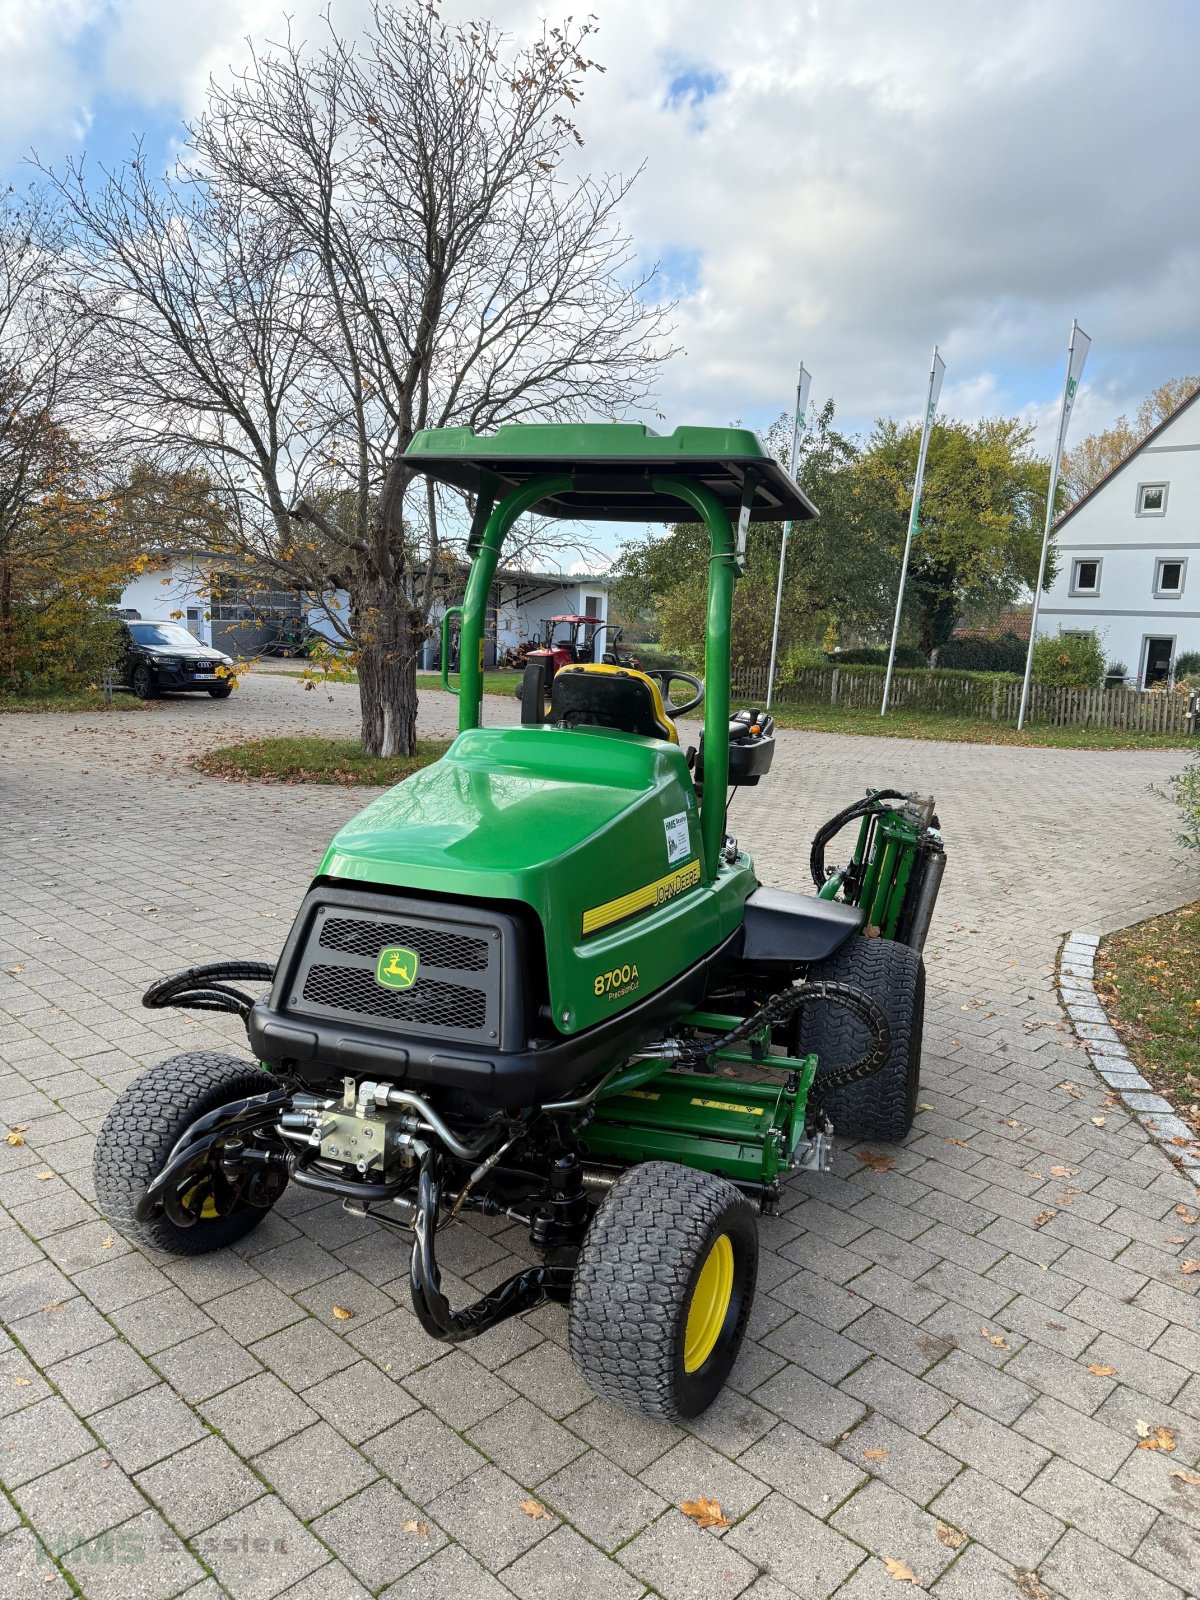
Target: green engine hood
598	832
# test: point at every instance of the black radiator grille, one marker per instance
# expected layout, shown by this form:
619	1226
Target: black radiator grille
354	989
434	946
459	986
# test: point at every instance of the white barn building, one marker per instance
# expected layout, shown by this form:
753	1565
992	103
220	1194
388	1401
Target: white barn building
1129	555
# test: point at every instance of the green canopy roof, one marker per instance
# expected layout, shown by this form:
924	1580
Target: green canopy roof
612	466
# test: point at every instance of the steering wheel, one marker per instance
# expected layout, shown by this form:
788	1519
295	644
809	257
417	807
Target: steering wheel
666	678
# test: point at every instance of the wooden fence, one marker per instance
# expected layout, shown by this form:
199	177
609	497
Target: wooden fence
977	695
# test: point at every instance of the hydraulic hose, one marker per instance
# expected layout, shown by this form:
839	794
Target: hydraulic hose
209	988
865	807
781	1006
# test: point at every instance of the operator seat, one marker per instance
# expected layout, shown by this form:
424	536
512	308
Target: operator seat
601	696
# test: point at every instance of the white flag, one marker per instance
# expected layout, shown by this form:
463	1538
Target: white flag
1076	356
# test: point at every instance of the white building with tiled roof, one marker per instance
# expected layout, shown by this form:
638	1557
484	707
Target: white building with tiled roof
1129	555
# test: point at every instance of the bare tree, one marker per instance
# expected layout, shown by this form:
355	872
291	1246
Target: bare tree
362	242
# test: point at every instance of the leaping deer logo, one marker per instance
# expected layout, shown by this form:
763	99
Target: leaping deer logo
397	967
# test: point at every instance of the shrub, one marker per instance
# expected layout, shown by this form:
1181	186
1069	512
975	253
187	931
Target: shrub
1115	674
876	655
1184	790
60	647
1068	661
1187	664
1005	654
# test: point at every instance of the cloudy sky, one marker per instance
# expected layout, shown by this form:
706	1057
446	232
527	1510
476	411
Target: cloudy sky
843	181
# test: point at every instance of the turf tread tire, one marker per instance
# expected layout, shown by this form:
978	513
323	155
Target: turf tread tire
633	1283
883	1107
143	1124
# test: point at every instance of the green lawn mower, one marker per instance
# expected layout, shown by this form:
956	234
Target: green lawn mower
539	980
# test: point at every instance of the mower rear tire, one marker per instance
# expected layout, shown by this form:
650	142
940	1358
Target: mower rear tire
143	1125
893	975
663	1290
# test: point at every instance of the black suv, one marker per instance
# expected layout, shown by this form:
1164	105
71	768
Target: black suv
158	656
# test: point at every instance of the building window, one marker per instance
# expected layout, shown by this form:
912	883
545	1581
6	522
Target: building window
1151	499
1169	573
1085	575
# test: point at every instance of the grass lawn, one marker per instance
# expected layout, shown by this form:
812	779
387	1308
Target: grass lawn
77	700
966	730
1149	980
312	759
493	682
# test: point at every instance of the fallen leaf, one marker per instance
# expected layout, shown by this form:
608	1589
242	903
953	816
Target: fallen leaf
1072	1089
1098	1122
42	1176
951	1537
1175	1238
924	1105
342	1313
997	1339
411	1525
1154	1438
1042	1218
1064	1172
535	1509
107	1242
1184	1475
1031	1586
868	1455
22	1383
1190	1217
704	1513
901	1572
1189	1266
959	1143
55	1305
15	972
875	1159
14	1138
1102	1371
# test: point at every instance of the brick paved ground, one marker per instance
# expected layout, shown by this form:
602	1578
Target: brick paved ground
949	1360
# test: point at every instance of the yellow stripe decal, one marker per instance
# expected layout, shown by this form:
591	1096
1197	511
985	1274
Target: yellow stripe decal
651	894
724	1105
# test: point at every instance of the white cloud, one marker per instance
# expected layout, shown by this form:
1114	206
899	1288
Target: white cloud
865	180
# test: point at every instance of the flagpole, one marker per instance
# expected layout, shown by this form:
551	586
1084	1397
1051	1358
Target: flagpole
803	380
937	371
1077	351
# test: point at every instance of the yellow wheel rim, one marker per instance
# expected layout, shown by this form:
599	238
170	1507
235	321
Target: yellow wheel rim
710	1305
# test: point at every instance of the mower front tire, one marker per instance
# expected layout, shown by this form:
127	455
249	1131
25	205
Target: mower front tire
143	1125
663	1290
893	975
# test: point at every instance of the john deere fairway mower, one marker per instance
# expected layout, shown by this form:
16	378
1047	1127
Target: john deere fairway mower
539	979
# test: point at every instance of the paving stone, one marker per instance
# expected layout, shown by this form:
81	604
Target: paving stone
1146	1475
121	1282
1061	1377
264	1550
360	1401
39	1438
147	1427
1006	1523
807	1473
883	1449
601	1500
633	1442
61	1328
1083	1440
1082	1570
330	1582
451	1574
1092	1505
978	1383
979	1574
882	1333
79	1501
258	1413
888	1524
314	1470
546	1376
422	1455
200	1485
143	1559
823	1412
808	1557
98	1378
996	1451
460	1390
304	1353
1172	1551
683	1562
254	1311
566	1567
912	1402
692	1469
349	1291
202	1366
483	1512
163	1318
524	1442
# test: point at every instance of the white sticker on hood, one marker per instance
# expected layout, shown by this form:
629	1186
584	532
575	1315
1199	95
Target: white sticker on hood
679	838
